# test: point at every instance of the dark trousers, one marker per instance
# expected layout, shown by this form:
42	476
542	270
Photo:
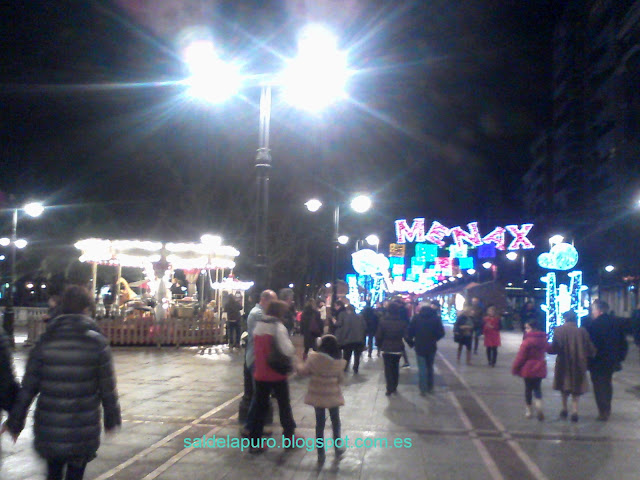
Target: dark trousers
261	395
602	390
532	388
347	351
370	341
233	334
476	340
55	470
492	355
391	370
334	413
425	371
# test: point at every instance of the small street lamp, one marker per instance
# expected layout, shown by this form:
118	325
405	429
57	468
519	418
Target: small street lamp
33	209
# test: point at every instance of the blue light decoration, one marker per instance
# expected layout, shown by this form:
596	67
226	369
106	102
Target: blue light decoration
375	265
561	298
354	293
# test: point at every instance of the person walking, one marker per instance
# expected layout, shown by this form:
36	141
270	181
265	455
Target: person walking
491	332
326	368
530	364
311	326
350	333
269	332
234	317
425	329
9	386
463	333
256	314
573	347
71	370
475	312
610	342
371	319
389	337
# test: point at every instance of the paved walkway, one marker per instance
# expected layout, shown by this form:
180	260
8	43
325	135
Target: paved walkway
472	427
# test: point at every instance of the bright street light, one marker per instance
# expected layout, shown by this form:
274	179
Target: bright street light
313	205
4	242
211	79
33	209
609	268
318	75
487	265
471	271
373	240
361	203
512	256
20	243
343	239
555	240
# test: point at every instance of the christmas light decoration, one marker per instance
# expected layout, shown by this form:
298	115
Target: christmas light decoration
496	237
415	233
436	233
456	251
520	234
472	237
562	256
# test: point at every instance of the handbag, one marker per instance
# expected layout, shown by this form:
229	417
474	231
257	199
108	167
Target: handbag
277	360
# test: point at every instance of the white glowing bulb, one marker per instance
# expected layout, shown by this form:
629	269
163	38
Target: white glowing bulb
512	256
361	203
20	243
313	205
343	239
487	265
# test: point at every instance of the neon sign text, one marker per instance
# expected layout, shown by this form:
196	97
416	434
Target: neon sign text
437	232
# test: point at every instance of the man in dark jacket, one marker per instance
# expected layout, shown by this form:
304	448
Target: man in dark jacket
389	337
9	387
609	340
425	329
234	316
371	319
70	367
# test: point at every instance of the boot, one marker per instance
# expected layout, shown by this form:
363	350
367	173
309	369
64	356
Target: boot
528	412
539	413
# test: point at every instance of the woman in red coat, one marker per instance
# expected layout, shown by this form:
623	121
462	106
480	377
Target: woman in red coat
491	332
531	365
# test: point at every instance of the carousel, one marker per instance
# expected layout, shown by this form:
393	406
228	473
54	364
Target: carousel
157	313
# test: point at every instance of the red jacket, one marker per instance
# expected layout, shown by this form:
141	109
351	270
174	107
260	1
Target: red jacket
491	331
266	331
530	361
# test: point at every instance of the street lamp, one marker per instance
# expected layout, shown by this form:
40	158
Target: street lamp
359	204
32	209
311	81
609	268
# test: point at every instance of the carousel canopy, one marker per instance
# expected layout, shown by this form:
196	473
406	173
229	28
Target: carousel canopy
136	253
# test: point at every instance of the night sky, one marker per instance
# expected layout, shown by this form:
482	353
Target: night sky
446	100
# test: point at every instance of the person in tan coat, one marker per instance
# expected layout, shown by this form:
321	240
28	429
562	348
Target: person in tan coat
326	368
573	347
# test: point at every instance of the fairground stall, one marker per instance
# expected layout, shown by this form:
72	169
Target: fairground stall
153	316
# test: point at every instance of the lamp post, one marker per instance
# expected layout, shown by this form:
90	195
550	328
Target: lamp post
311	81
359	204
33	209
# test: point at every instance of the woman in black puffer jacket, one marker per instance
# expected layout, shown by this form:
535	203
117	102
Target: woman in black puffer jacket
71	370
8	385
389	338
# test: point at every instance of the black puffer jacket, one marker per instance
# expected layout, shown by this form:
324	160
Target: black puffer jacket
391	330
71	369
8	385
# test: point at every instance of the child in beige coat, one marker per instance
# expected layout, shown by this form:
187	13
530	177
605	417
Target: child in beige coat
326	369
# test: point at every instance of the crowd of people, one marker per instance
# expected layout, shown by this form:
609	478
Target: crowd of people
67	426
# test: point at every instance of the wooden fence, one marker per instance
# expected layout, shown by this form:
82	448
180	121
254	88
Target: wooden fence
143	330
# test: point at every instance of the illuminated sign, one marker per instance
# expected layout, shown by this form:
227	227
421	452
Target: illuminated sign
437	233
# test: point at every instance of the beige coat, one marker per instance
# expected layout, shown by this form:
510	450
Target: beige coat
327	374
573	347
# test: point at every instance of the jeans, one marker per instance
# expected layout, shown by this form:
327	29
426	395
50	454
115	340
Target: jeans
75	470
233	334
334	413
532	388
602	390
370	341
391	370
356	350
492	355
261	395
425	371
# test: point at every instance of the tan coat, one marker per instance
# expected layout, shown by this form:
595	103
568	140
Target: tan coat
573	347
327	374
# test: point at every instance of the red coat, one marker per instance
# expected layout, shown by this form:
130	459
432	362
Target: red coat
491	331
530	361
